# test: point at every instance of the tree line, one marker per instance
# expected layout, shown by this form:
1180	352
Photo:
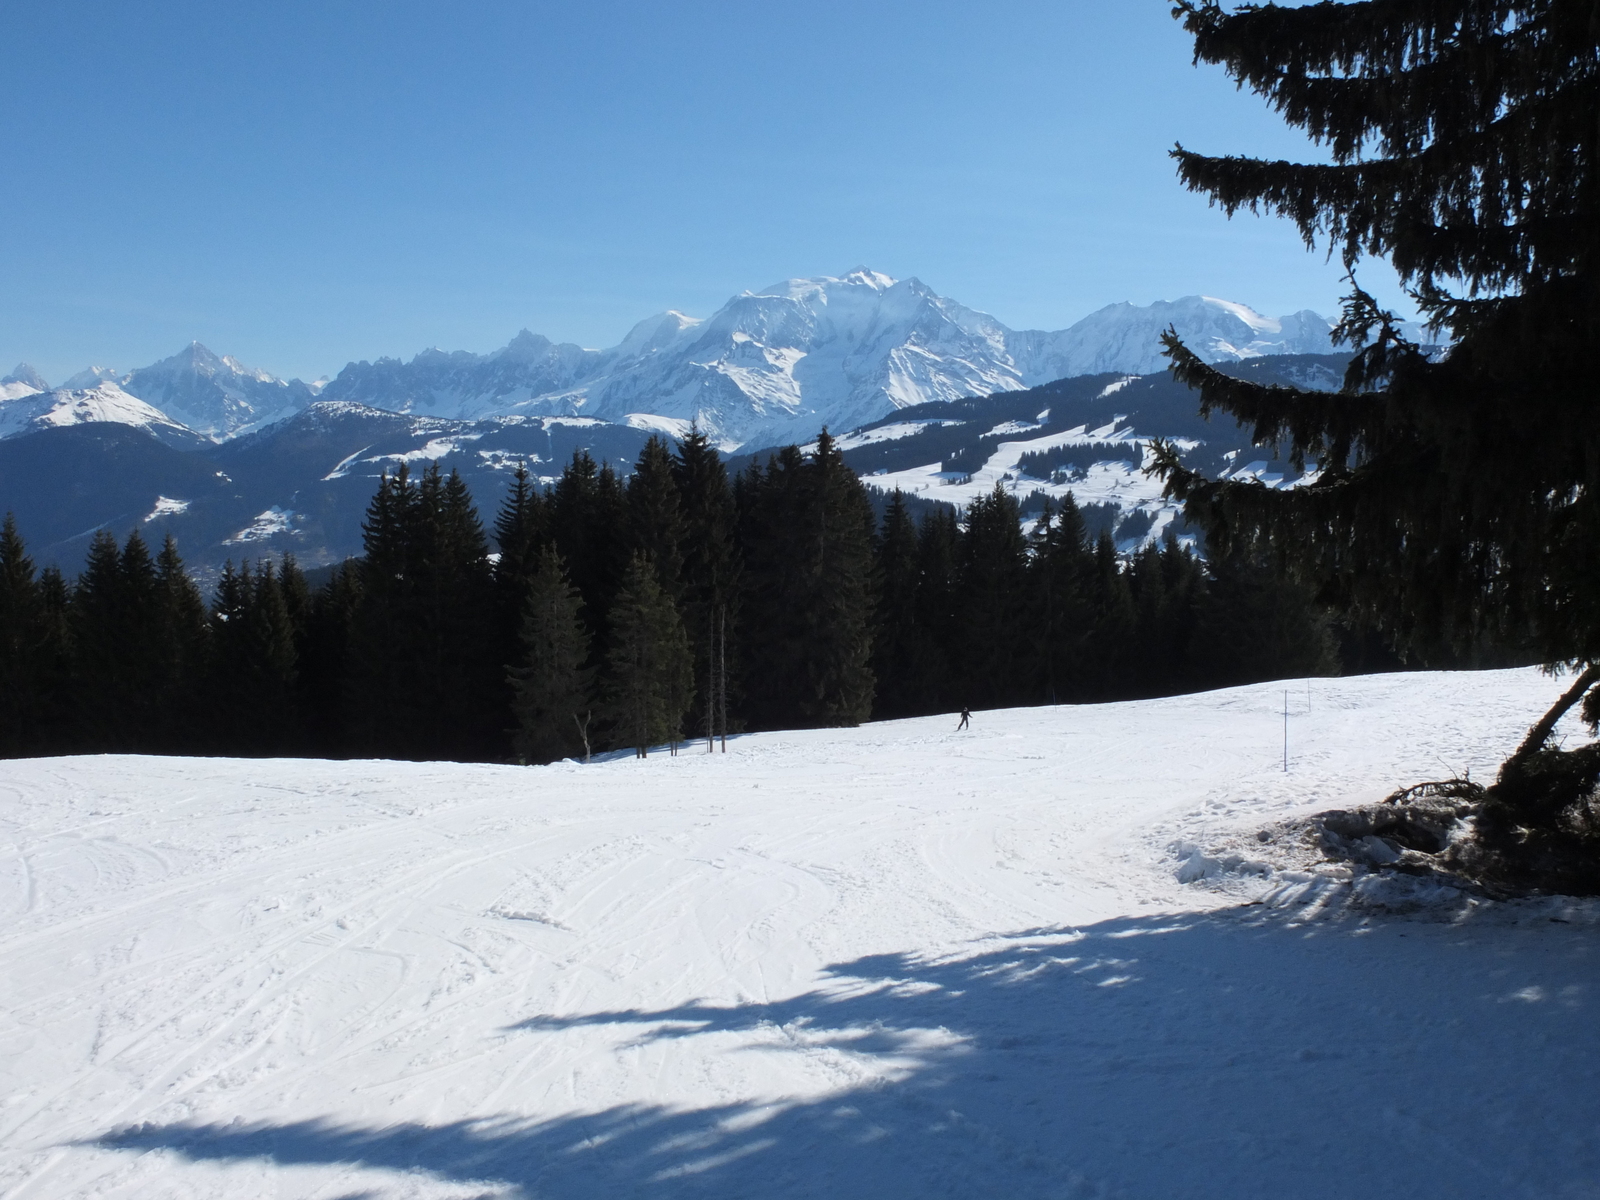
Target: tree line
676	603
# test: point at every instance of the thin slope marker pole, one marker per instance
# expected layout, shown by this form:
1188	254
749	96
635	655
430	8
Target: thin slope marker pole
1286	730
722	667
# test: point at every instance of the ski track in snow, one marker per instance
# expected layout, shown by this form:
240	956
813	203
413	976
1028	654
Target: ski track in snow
893	961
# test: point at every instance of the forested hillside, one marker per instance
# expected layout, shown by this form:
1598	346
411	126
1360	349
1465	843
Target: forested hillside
603	612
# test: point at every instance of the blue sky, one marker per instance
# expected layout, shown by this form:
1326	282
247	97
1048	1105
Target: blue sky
301	184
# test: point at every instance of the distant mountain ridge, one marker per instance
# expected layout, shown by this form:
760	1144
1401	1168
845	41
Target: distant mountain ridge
770	366
777	364
214	395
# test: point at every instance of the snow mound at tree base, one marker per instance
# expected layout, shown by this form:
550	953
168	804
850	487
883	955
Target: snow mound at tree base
1408	858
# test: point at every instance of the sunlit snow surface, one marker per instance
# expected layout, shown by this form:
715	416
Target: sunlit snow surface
895	961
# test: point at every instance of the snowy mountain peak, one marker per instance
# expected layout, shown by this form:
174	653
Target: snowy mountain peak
214	394
655	333
91	377
24	381
25	374
103	403
525	347
823	288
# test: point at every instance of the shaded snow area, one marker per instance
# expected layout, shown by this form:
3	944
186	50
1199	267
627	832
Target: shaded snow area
894	961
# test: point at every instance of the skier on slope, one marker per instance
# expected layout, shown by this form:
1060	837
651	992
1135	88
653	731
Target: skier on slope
966	715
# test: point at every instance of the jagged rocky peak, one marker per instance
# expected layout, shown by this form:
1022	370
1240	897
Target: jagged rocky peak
26	376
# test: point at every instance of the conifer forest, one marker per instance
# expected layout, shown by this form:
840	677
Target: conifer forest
602	613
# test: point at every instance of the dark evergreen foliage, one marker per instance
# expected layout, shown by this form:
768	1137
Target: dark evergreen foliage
902	647
1464	150
648	685
1464	146
424	679
551	685
655	515
589	521
992	594
809	589
710	556
781	605
21	634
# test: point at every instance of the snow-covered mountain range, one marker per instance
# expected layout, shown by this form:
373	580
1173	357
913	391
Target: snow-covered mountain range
35	410
770	366
212	395
777	364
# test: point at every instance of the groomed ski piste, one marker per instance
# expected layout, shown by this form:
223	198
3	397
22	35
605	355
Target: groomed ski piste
893	961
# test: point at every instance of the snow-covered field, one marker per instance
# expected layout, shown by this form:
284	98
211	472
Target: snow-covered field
893	961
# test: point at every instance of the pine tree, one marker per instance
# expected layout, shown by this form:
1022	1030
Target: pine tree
655	515
424	680
180	637
471	675
845	596
272	661
1063	570
521	532
56	720
709	550
140	620
1254	624
1107	649
1464	150
22	678
113	623
387	641
325	661
649	680
551	684
938	549
243	681
589	520
899	643
808	588
991	577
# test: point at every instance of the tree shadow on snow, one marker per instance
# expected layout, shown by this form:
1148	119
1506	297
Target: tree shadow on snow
1234	1055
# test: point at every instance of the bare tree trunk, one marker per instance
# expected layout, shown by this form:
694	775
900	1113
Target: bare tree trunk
722	682
583	732
1540	733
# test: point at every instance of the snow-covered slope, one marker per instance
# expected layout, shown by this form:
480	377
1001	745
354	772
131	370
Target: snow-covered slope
885	962
776	365
107	402
211	394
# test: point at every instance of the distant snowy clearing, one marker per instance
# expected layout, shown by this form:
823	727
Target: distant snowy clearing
894	961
